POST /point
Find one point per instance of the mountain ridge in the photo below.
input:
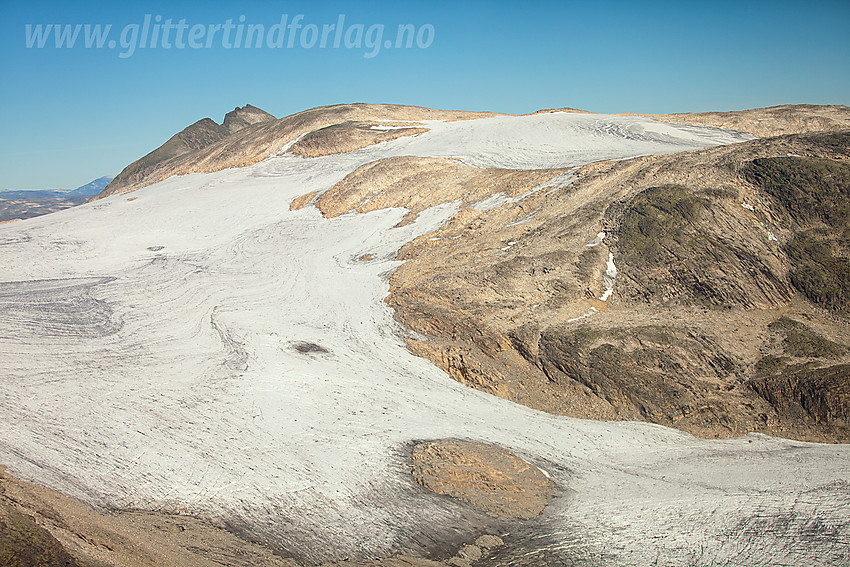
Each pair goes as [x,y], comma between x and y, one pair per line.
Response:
[256,141]
[190,140]
[219,146]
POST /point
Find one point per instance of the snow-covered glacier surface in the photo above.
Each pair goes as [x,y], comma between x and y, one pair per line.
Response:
[559,139]
[149,355]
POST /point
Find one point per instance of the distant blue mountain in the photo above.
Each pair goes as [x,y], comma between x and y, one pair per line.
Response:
[92,188]
[28,204]
[88,190]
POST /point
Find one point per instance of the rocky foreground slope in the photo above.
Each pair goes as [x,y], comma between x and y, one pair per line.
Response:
[236,346]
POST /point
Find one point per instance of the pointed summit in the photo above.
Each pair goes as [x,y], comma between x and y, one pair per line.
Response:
[239,118]
[193,138]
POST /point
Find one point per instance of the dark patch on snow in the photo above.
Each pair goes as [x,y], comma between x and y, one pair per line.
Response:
[309,348]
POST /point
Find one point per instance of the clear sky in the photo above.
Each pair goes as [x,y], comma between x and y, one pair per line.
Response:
[70,115]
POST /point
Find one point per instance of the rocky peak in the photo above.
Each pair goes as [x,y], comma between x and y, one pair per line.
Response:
[186,143]
[239,118]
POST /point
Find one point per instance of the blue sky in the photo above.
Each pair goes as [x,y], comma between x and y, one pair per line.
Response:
[70,115]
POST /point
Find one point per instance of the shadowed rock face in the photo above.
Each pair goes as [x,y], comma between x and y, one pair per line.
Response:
[486,476]
[678,244]
[632,369]
[812,197]
[806,392]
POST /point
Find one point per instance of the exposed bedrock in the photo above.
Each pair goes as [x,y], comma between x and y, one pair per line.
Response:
[712,248]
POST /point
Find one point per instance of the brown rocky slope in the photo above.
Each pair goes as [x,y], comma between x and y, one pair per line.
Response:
[729,309]
[770,121]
